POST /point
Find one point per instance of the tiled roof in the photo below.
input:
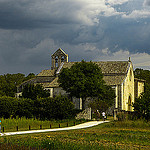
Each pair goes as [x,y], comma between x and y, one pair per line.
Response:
[108,67]
[113,67]
[54,83]
[114,80]
[110,80]
[47,73]
[114,73]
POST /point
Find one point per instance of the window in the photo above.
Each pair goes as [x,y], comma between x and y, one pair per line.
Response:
[130,75]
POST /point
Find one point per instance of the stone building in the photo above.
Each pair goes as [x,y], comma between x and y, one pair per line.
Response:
[118,74]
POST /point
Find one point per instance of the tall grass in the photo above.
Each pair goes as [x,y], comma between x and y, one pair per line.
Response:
[130,124]
[23,124]
[117,135]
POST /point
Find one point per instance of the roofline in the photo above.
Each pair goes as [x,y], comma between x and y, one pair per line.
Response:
[142,80]
[61,51]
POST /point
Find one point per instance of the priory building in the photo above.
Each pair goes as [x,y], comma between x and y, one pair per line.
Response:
[118,74]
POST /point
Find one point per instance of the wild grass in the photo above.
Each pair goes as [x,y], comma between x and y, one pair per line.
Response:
[118,135]
[23,124]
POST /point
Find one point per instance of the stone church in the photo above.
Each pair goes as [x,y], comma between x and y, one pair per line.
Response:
[118,74]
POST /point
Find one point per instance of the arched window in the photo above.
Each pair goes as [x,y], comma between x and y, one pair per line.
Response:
[56,61]
[62,58]
[129,104]
[130,75]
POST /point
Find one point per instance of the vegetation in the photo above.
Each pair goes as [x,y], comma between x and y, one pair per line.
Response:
[10,125]
[85,79]
[142,104]
[8,83]
[34,91]
[43,108]
[120,135]
[142,74]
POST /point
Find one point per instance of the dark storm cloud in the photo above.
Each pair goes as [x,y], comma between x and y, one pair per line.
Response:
[26,14]
[31,30]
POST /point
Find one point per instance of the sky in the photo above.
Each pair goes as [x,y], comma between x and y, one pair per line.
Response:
[93,30]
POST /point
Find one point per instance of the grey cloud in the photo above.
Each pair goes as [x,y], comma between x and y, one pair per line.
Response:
[147,2]
[31,30]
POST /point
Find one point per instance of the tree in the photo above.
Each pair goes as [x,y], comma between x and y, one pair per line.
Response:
[59,107]
[8,83]
[142,104]
[104,100]
[8,106]
[34,91]
[30,76]
[82,80]
[142,74]
[25,108]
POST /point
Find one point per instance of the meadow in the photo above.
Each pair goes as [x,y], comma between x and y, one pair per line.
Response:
[23,124]
[115,135]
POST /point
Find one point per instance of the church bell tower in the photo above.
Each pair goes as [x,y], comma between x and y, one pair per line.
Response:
[57,58]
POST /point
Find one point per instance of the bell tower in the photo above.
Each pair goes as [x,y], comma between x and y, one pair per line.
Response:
[57,58]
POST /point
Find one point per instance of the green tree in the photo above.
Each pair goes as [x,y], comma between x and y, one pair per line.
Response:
[104,100]
[142,104]
[30,76]
[59,107]
[8,106]
[82,80]
[34,91]
[8,83]
[142,74]
[25,108]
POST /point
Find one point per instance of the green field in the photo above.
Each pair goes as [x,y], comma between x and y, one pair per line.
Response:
[11,125]
[113,135]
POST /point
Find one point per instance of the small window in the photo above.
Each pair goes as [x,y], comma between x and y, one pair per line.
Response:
[130,75]
[56,61]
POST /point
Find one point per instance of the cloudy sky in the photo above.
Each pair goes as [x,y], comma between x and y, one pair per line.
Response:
[97,30]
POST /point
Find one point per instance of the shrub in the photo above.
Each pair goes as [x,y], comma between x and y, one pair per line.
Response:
[8,106]
[56,108]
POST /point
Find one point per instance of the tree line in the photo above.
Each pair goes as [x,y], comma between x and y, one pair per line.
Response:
[9,82]
[47,108]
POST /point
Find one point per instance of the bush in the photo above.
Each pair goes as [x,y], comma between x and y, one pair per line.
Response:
[8,106]
[44,108]
[25,108]
[56,108]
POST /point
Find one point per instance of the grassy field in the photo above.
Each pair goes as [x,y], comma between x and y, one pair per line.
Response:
[117,135]
[23,124]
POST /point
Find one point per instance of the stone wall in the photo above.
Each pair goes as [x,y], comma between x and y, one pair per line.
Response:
[85,114]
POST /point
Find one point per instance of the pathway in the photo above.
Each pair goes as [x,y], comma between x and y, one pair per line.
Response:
[80,126]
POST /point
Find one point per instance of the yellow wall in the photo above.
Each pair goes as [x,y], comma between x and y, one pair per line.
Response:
[140,88]
[128,90]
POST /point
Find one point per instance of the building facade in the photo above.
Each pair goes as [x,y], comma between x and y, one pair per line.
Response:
[118,74]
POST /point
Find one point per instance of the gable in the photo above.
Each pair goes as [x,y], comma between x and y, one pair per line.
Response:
[59,52]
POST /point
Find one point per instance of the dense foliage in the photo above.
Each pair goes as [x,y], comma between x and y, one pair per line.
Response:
[104,100]
[41,108]
[82,80]
[142,74]
[34,91]
[56,108]
[142,104]
[9,82]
